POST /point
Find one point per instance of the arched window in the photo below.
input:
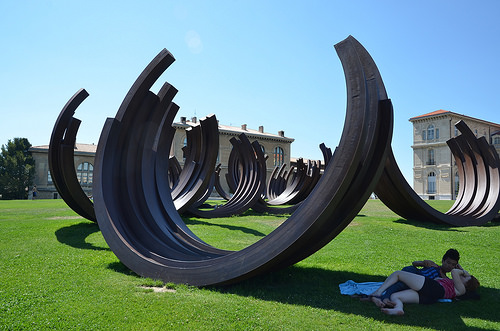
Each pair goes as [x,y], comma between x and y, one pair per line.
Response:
[430,157]
[430,132]
[279,156]
[431,183]
[85,173]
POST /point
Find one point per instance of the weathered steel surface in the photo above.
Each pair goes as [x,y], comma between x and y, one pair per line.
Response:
[218,186]
[251,180]
[146,231]
[61,158]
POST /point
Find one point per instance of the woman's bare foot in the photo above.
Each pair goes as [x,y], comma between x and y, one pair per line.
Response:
[388,303]
[392,311]
[376,300]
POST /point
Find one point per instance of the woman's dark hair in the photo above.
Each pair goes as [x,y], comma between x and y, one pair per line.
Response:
[471,290]
[451,254]
[472,284]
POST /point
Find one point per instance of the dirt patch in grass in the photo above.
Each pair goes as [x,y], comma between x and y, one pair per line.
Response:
[64,218]
[158,289]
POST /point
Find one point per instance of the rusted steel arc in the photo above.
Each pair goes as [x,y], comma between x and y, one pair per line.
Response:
[472,173]
[396,193]
[484,167]
[327,153]
[288,191]
[120,188]
[206,195]
[251,182]
[310,179]
[494,175]
[61,158]
[174,169]
[218,185]
[277,182]
[302,183]
[192,154]
[200,179]
[459,161]
[161,149]
[321,216]
[233,169]
[376,114]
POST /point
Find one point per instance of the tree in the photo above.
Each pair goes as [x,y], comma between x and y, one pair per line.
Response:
[17,169]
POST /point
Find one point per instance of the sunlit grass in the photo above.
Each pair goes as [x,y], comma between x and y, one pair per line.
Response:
[57,272]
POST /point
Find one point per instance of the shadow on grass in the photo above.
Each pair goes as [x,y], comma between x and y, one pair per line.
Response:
[318,288]
[429,225]
[190,221]
[122,268]
[74,236]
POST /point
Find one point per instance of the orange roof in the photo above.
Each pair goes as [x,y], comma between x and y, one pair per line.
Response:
[434,113]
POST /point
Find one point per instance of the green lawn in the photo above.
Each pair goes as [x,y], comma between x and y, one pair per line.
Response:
[56,272]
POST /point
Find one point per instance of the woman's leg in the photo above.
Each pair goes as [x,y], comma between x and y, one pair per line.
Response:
[413,281]
[398,298]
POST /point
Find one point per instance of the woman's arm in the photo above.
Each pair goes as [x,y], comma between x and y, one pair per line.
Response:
[424,263]
[457,281]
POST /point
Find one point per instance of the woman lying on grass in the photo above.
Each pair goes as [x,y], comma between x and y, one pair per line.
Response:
[423,290]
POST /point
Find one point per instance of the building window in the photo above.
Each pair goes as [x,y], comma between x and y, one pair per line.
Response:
[430,132]
[279,156]
[49,177]
[430,157]
[496,141]
[431,183]
[456,132]
[184,149]
[85,173]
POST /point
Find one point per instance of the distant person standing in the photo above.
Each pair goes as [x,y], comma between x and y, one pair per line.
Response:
[34,192]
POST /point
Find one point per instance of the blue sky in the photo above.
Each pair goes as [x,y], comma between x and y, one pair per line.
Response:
[269,63]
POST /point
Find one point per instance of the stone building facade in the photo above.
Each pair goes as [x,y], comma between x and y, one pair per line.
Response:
[84,165]
[435,175]
[276,146]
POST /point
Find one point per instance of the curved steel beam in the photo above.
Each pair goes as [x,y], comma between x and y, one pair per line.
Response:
[478,199]
[250,184]
[146,233]
[61,158]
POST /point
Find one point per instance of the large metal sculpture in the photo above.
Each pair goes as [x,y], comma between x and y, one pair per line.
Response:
[478,199]
[137,202]
[251,181]
[61,158]
[146,231]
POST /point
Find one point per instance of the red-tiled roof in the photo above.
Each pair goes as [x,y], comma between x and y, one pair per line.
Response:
[434,113]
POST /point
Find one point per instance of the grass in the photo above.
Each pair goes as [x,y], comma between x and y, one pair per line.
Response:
[56,272]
